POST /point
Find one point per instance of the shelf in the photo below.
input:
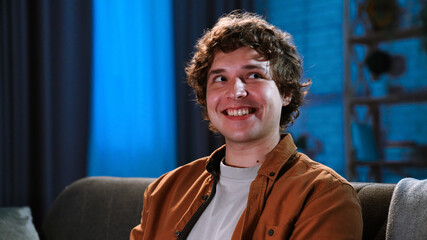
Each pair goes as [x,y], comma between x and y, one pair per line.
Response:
[409,97]
[392,164]
[395,95]
[376,37]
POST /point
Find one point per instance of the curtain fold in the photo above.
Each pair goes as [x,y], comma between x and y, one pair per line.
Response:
[191,18]
[14,146]
[45,70]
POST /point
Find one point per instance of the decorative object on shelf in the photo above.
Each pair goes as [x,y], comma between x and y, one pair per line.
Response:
[380,62]
[383,14]
[364,142]
[309,145]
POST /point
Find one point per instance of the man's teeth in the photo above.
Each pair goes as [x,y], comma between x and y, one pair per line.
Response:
[238,112]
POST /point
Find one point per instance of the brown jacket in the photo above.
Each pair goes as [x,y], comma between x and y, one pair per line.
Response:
[292,197]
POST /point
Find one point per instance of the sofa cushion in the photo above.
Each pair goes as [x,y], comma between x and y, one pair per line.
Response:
[96,208]
[17,223]
[407,216]
[375,200]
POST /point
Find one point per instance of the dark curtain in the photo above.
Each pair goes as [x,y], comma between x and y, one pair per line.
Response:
[45,71]
[191,18]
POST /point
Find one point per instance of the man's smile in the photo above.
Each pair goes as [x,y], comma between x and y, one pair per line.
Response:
[237,112]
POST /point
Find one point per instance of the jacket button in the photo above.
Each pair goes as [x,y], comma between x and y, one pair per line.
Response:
[272,174]
[270,232]
[205,197]
[177,233]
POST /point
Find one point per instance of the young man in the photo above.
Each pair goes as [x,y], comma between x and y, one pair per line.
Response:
[246,75]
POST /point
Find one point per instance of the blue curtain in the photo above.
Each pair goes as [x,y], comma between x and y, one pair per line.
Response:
[45,76]
[133,111]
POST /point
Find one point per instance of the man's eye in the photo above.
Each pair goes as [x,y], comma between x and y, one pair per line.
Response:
[255,75]
[220,79]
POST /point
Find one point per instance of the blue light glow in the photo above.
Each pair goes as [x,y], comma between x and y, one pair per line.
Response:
[133,111]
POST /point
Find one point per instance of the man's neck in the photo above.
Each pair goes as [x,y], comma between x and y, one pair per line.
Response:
[249,154]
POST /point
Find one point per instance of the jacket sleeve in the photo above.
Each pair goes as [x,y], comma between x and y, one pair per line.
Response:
[332,213]
[137,232]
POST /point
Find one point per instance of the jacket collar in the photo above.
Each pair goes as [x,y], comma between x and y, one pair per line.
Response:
[214,161]
[274,161]
[278,157]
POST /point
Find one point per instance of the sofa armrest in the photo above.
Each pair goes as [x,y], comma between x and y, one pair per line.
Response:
[96,208]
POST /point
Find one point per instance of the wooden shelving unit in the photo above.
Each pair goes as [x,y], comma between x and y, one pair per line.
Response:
[376,37]
[401,98]
[370,40]
[399,164]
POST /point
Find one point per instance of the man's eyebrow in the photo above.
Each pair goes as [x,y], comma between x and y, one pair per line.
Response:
[254,66]
[216,71]
[246,67]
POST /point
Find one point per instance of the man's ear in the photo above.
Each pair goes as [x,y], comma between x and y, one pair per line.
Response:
[286,99]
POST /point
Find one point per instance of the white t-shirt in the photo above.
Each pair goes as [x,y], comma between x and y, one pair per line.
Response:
[220,218]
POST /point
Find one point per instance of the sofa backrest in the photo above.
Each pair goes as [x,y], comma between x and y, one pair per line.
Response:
[109,207]
[96,208]
[375,200]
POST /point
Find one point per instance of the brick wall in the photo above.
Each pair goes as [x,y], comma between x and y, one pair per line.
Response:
[318,34]
[317,30]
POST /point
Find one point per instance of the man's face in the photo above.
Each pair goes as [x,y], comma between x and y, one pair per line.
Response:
[243,102]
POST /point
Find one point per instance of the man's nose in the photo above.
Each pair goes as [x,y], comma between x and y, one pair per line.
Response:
[237,88]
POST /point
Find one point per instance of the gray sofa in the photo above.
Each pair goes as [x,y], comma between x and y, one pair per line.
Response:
[109,207]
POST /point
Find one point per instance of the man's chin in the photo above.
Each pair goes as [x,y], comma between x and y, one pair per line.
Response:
[238,138]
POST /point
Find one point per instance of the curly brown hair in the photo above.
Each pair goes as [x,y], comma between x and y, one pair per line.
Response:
[237,30]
